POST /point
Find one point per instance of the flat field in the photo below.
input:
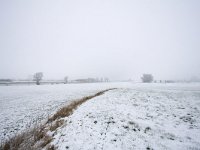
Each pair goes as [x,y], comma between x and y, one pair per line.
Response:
[134,116]
[26,105]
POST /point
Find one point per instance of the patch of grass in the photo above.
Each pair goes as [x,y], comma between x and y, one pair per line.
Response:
[38,133]
[6,146]
[56,124]
[27,139]
[46,140]
[13,143]
[51,147]
[68,110]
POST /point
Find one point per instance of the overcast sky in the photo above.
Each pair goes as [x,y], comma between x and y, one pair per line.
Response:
[119,39]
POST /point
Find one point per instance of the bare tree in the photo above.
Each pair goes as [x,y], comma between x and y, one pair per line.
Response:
[147,78]
[66,79]
[38,77]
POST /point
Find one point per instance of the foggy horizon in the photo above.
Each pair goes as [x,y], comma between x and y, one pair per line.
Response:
[115,39]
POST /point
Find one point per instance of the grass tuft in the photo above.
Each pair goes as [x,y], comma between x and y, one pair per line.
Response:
[56,124]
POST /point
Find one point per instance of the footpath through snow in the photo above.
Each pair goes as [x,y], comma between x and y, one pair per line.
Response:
[133,119]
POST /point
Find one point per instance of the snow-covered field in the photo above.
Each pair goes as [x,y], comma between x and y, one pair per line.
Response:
[23,106]
[134,116]
[141,116]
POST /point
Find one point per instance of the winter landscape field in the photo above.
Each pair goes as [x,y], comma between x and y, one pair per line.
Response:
[133,116]
[99,75]
[23,106]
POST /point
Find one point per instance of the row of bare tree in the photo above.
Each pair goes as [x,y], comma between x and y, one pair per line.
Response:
[146,78]
[39,75]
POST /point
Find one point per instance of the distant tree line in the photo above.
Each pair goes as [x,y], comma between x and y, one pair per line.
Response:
[37,77]
[5,80]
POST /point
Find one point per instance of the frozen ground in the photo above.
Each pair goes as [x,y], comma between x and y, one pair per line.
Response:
[22,106]
[143,116]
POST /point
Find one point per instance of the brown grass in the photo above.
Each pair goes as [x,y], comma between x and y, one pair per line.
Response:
[46,140]
[68,110]
[51,147]
[27,140]
[13,143]
[56,124]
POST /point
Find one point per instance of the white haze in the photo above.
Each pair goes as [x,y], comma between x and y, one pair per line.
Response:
[119,39]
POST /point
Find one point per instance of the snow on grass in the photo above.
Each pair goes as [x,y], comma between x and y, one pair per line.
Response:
[24,106]
[144,116]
